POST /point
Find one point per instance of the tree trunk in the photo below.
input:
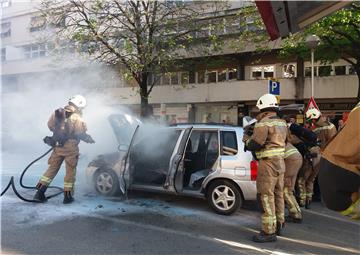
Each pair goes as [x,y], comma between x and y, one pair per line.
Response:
[145,110]
[300,79]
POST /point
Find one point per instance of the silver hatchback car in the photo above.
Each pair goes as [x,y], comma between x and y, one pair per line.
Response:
[198,160]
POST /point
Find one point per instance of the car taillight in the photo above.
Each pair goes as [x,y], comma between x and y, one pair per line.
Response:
[253,170]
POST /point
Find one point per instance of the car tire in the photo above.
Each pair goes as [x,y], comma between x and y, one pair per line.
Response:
[224,197]
[106,182]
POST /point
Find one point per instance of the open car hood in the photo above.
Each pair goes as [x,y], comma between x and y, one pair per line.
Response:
[124,126]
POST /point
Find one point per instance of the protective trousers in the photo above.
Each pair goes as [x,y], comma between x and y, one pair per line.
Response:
[293,165]
[270,185]
[70,153]
[307,175]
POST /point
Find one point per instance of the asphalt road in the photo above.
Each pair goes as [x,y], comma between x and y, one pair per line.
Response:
[161,224]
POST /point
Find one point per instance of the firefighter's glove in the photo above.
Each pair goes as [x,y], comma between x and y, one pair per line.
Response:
[88,139]
[49,141]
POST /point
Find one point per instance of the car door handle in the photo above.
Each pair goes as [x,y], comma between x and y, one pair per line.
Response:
[187,160]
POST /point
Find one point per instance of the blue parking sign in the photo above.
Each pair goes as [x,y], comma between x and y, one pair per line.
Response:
[274,87]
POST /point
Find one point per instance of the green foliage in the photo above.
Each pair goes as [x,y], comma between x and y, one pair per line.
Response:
[339,34]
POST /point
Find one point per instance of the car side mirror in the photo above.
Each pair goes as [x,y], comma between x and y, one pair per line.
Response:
[123,147]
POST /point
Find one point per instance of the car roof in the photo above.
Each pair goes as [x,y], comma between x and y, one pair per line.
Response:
[207,126]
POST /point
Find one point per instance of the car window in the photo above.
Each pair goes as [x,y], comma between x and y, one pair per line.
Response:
[229,145]
[212,142]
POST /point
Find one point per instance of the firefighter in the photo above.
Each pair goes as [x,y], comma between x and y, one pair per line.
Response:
[268,142]
[324,131]
[68,129]
[339,176]
[293,163]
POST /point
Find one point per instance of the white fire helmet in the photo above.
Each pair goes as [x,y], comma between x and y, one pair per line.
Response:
[267,101]
[247,121]
[313,114]
[78,100]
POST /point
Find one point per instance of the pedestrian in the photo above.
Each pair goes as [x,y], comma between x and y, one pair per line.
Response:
[339,176]
[324,131]
[268,143]
[68,129]
[340,124]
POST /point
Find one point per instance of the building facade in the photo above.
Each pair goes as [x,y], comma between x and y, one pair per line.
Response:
[221,92]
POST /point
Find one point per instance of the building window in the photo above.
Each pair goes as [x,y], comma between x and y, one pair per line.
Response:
[166,79]
[289,70]
[352,70]
[5,29]
[340,70]
[232,74]
[35,50]
[307,71]
[174,79]
[157,79]
[201,77]
[3,54]
[185,78]
[262,72]
[192,77]
[222,75]
[325,70]
[211,76]
[5,3]
[37,23]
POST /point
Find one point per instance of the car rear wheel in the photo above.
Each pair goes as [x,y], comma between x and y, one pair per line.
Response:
[224,197]
[106,182]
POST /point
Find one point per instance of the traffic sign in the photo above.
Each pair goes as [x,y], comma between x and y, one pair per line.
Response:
[312,104]
[274,87]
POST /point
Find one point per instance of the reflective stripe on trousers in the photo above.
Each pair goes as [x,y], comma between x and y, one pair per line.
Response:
[270,153]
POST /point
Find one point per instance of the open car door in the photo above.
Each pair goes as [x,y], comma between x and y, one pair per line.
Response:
[125,128]
[177,163]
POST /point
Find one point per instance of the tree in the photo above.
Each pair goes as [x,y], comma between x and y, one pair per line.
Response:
[340,38]
[145,37]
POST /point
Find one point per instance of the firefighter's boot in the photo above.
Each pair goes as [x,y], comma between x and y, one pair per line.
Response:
[40,193]
[279,228]
[307,203]
[293,219]
[68,197]
[264,238]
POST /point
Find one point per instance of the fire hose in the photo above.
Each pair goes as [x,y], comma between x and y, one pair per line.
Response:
[12,183]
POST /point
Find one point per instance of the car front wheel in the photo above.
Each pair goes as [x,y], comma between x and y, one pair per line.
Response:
[106,182]
[224,197]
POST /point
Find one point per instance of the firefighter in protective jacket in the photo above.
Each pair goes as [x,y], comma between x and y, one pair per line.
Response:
[268,142]
[68,129]
[324,131]
[339,176]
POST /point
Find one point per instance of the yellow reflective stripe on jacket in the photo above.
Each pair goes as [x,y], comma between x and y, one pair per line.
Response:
[325,127]
[270,153]
[290,152]
[271,124]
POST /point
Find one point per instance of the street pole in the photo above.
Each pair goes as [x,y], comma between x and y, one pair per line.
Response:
[312,72]
[312,41]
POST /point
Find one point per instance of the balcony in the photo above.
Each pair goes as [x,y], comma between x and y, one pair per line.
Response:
[325,87]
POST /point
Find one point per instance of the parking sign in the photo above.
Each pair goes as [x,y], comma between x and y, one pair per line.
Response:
[274,87]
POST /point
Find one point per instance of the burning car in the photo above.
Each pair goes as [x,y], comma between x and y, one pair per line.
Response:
[198,160]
